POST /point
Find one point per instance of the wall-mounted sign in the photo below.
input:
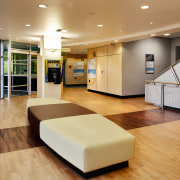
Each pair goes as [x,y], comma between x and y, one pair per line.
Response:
[78,68]
[91,68]
[149,65]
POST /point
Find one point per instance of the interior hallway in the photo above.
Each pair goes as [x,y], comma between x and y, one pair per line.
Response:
[157,153]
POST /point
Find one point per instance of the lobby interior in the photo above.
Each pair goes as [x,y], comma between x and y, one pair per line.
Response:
[137,32]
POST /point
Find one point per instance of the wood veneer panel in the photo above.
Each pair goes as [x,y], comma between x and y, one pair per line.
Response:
[144,118]
[13,139]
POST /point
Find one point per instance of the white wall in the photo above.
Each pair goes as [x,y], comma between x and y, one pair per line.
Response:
[45,89]
[133,63]
[51,89]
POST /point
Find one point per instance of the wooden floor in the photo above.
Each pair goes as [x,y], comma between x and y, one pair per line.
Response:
[139,119]
[157,149]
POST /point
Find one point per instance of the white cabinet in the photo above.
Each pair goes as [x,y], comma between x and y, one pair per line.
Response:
[108,69]
[102,74]
[115,74]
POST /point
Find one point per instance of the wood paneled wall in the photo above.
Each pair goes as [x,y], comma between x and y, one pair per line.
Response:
[70,78]
[108,69]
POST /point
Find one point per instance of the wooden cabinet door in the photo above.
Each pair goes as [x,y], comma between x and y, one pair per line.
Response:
[102,74]
[115,74]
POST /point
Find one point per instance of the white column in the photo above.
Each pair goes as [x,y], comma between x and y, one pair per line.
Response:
[51,50]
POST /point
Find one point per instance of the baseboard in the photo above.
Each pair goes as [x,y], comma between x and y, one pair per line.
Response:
[118,96]
[75,85]
[171,108]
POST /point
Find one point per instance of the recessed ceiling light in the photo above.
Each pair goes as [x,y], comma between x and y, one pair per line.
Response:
[167,34]
[151,23]
[9,35]
[64,30]
[42,6]
[28,25]
[100,25]
[116,41]
[144,7]
[120,31]
[1,28]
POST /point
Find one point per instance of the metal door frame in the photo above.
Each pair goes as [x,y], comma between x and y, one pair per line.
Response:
[1,71]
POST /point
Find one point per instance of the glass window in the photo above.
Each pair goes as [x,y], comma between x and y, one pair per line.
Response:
[20,45]
[19,63]
[33,64]
[35,47]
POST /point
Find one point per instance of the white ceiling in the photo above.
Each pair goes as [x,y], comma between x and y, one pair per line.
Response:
[123,20]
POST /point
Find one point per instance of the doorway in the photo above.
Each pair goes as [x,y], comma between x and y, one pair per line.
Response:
[177,53]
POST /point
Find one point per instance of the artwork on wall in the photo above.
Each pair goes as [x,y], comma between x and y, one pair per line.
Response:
[149,64]
[78,69]
[91,68]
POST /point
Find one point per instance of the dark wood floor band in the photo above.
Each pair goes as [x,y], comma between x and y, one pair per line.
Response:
[144,118]
[13,139]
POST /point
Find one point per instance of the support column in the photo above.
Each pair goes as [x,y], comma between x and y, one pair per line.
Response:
[51,50]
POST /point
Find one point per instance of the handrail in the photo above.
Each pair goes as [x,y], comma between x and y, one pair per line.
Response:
[159,82]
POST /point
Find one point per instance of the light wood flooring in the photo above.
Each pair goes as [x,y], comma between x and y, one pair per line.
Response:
[157,149]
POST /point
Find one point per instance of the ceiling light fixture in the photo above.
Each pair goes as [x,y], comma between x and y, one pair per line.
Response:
[116,40]
[1,28]
[145,7]
[167,34]
[9,35]
[28,25]
[42,6]
[100,25]
[151,23]
[64,30]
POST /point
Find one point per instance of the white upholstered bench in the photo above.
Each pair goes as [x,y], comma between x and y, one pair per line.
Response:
[89,141]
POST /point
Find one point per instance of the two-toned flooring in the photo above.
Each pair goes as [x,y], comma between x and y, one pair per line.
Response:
[157,150]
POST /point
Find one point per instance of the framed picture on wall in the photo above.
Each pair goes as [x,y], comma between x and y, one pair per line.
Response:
[149,64]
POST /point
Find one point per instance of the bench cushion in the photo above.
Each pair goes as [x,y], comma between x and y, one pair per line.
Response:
[89,141]
[44,101]
[36,114]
